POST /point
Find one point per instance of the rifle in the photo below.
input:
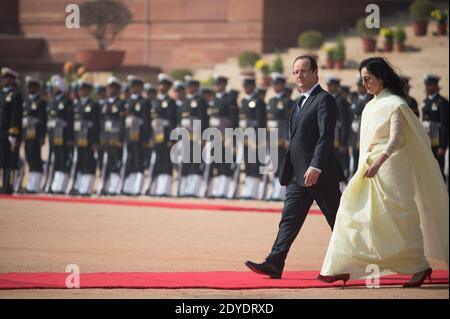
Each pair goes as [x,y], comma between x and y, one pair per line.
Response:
[18,178]
[73,171]
[205,183]
[262,187]
[151,168]
[101,186]
[50,169]
[234,187]
[123,169]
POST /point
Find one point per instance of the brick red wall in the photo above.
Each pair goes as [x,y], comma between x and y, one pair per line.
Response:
[193,33]
[166,33]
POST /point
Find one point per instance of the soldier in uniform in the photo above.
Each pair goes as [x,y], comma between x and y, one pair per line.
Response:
[343,120]
[207,94]
[278,111]
[252,114]
[194,108]
[435,118]
[344,91]
[151,93]
[164,120]
[60,135]
[112,130]
[137,133]
[34,131]
[356,110]
[412,103]
[223,113]
[73,94]
[100,98]
[10,127]
[87,136]
[180,93]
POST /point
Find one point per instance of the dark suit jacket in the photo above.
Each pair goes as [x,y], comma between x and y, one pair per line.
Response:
[312,141]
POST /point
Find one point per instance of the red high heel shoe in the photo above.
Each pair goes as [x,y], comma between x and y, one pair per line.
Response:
[416,284]
[331,279]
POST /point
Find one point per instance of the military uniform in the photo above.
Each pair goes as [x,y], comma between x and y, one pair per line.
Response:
[151,92]
[60,131]
[356,110]
[252,114]
[193,109]
[87,135]
[112,127]
[279,109]
[223,113]
[435,112]
[342,129]
[412,103]
[100,99]
[10,129]
[164,120]
[34,131]
[137,134]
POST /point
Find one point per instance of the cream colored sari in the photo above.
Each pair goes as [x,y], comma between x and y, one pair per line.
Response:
[400,216]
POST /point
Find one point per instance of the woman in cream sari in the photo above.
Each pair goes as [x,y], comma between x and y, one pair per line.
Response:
[394,212]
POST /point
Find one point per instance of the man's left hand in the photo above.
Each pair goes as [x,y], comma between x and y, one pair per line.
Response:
[311,177]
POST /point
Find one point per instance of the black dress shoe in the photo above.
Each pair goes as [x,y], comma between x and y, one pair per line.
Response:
[264,268]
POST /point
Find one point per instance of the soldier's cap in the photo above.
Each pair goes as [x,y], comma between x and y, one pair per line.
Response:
[345,88]
[190,80]
[162,77]
[431,79]
[206,89]
[133,79]
[99,87]
[112,80]
[58,81]
[84,83]
[278,77]
[149,87]
[248,80]
[7,71]
[219,78]
[333,80]
[178,85]
[32,80]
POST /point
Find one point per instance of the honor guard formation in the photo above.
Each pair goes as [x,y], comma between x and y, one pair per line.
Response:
[88,139]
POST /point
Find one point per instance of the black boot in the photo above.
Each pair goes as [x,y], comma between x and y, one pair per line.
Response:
[7,186]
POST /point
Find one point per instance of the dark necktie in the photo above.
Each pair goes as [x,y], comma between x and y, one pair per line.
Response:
[294,118]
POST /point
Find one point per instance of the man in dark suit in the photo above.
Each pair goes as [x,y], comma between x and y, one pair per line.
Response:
[310,170]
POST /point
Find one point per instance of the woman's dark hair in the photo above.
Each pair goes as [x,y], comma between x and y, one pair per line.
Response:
[381,69]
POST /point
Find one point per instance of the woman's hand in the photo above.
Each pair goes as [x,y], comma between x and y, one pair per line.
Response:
[372,170]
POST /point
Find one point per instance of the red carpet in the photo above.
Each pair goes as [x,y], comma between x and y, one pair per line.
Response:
[178,280]
[143,203]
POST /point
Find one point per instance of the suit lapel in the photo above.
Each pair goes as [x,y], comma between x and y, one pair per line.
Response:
[307,103]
